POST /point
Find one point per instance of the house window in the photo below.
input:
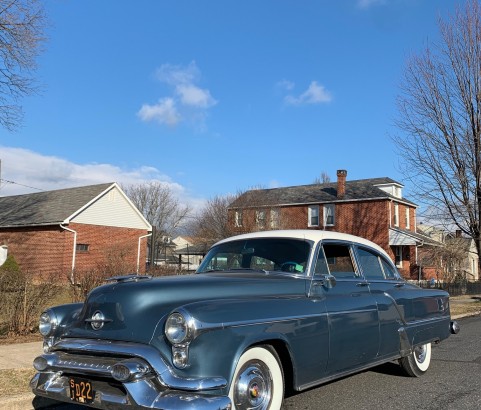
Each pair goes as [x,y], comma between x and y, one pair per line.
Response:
[329,215]
[260,219]
[82,247]
[407,218]
[313,215]
[274,218]
[238,219]
[398,250]
[396,214]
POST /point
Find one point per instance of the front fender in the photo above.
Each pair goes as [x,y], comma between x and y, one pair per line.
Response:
[232,326]
[63,316]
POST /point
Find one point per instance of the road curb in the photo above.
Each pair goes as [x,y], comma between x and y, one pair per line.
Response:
[463,315]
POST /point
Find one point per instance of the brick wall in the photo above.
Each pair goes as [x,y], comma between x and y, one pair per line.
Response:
[48,251]
[109,245]
[39,250]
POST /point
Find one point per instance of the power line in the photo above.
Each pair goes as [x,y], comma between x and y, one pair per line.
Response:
[6,181]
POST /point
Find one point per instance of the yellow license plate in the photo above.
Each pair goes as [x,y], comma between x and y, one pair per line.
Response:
[81,390]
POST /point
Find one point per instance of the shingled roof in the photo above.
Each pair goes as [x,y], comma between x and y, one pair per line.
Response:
[362,189]
[48,207]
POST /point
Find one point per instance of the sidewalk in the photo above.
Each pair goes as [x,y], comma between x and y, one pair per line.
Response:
[21,356]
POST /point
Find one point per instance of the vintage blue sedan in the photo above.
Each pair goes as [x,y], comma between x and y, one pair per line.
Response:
[265,312]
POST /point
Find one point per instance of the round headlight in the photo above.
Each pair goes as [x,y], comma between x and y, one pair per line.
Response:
[176,328]
[47,323]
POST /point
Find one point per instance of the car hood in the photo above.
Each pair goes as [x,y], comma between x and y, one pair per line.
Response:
[133,310]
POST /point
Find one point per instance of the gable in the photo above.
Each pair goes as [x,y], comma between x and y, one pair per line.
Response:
[112,208]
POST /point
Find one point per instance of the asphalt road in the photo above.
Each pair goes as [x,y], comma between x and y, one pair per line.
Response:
[452,382]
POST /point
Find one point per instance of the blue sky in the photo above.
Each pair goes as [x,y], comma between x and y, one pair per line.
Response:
[216,96]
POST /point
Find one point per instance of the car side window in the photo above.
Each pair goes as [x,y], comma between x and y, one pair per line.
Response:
[339,261]
[370,264]
[321,264]
[389,271]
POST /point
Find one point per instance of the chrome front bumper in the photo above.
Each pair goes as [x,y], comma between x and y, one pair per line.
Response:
[160,388]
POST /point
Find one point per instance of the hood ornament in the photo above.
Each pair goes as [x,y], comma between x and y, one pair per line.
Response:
[98,320]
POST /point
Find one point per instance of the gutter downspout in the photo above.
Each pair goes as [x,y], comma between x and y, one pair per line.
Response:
[138,250]
[74,252]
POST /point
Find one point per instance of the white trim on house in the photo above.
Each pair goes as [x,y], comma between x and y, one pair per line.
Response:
[107,210]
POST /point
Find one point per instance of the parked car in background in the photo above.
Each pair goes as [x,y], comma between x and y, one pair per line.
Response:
[266,312]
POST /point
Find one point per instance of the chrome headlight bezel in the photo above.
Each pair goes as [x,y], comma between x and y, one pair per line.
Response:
[47,323]
[180,328]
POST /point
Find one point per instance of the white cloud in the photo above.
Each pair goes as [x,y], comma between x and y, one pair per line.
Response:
[286,85]
[176,74]
[25,171]
[365,4]
[194,96]
[164,112]
[187,101]
[315,94]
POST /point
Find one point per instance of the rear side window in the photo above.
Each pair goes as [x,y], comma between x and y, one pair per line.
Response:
[338,260]
[370,264]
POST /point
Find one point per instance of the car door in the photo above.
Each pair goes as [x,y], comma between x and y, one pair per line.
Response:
[386,287]
[352,311]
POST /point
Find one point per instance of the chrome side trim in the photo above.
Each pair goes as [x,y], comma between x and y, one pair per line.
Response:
[429,320]
[165,373]
[268,321]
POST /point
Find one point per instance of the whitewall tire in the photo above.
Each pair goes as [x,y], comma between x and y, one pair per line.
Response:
[258,382]
[417,363]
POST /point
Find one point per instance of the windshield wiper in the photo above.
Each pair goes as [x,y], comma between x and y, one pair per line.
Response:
[235,269]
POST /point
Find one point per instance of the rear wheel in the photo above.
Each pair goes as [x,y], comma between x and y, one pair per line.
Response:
[258,382]
[417,363]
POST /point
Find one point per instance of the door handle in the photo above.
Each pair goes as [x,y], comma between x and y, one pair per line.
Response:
[362,284]
[399,285]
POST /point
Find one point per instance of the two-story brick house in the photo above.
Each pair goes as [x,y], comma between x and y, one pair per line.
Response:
[54,234]
[371,208]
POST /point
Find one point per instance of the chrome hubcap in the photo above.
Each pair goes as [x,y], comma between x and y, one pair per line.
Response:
[420,353]
[253,387]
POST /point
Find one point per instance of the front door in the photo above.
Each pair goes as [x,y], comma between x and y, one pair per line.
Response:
[352,310]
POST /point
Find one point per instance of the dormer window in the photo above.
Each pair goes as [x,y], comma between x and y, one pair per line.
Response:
[393,189]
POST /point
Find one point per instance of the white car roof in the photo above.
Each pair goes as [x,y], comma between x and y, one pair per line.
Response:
[308,234]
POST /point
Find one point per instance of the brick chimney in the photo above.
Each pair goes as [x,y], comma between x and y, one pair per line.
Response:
[341,183]
[459,233]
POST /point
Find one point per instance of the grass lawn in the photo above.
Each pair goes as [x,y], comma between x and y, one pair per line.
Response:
[15,381]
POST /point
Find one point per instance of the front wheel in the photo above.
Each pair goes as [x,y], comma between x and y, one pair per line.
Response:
[258,382]
[417,363]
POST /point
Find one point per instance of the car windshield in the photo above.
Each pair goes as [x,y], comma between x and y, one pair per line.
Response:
[260,254]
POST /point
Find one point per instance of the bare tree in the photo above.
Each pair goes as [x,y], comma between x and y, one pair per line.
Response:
[22,23]
[449,260]
[158,203]
[324,178]
[440,120]
[212,222]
